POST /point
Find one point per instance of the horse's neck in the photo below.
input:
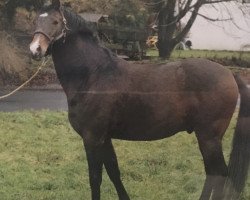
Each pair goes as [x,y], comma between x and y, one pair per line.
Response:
[79,62]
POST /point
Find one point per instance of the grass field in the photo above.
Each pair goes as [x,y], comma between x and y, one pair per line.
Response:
[42,158]
[210,54]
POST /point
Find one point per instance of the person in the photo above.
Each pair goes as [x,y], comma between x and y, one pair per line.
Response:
[188,44]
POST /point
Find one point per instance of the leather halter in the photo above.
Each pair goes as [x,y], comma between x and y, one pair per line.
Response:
[64,30]
[43,33]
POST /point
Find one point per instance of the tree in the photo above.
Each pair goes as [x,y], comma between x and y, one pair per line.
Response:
[129,13]
[169,15]
[11,5]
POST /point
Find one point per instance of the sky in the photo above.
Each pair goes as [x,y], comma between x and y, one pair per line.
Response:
[222,35]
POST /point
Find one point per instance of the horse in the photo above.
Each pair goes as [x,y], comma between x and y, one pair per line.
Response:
[110,98]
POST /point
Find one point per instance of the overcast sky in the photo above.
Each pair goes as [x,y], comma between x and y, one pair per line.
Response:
[221,34]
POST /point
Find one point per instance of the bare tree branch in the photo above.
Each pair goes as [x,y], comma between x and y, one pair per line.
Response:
[184,11]
[216,1]
[213,19]
[168,21]
[190,22]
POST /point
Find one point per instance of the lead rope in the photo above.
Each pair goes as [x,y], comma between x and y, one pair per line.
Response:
[44,62]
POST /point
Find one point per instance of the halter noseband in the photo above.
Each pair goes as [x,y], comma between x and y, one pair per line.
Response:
[43,33]
[64,30]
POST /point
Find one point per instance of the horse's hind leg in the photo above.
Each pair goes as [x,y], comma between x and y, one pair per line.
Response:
[216,169]
[111,165]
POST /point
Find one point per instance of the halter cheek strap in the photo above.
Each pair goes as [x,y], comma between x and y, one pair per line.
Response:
[65,28]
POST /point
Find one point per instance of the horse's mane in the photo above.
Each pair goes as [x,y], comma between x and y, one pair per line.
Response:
[77,24]
[87,29]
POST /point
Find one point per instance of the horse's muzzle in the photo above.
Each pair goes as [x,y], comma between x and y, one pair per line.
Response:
[36,53]
[39,46]
[36,57]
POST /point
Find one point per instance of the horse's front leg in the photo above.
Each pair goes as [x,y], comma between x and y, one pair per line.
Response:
[111,165]
[95,163]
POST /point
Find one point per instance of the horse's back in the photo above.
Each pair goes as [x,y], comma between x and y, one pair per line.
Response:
[187,76]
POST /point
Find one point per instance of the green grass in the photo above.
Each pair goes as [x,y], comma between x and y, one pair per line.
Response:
[42,158]
[211,54]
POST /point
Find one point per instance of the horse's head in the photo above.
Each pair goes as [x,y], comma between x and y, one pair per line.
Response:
[50,26]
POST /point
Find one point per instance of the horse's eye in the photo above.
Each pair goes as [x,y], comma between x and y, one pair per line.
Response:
[55,22]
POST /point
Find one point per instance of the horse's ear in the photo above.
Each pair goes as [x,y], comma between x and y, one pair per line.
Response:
[56,4]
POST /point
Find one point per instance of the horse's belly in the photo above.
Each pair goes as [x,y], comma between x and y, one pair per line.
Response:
[146,133]
[133,117]
[141,137]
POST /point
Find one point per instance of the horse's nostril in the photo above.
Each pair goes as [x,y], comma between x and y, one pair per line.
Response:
[39,49]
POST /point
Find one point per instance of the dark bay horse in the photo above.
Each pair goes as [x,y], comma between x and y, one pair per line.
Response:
[110,98]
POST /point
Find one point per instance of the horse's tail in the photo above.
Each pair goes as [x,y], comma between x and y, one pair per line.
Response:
[239,161]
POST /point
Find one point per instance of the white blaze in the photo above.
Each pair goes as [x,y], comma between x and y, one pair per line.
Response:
[44,15]
[34,45]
